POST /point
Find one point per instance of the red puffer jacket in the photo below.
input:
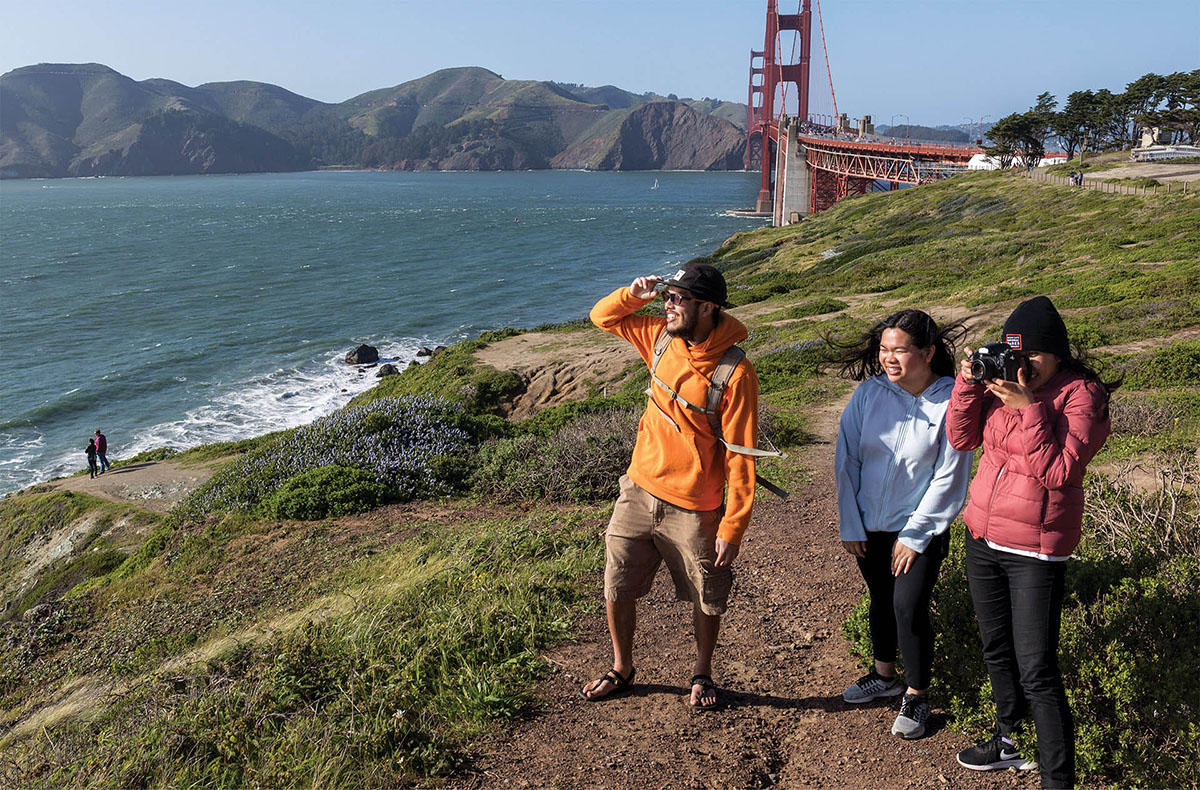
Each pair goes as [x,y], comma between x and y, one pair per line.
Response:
[1028,491]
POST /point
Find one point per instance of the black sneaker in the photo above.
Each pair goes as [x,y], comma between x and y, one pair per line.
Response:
[994,755]
[872,686]
[914,712]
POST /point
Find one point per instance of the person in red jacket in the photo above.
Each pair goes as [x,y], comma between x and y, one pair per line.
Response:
[1023,517]
[687,495]
[102,451]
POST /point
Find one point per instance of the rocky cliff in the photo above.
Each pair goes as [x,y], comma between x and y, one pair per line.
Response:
[661,136]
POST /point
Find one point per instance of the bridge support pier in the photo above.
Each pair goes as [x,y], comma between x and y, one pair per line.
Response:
[793,179]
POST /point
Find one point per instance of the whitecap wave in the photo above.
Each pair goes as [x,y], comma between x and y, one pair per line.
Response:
[283,398]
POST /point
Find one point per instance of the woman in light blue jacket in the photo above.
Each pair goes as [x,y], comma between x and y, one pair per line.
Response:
[900,484]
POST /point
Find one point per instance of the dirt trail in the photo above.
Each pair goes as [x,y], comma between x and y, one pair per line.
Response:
[155,485]
[782,660]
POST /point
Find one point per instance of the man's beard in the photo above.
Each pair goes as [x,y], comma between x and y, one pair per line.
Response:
[685,328]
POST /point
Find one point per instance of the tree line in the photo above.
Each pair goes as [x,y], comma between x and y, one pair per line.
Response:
[1102,120]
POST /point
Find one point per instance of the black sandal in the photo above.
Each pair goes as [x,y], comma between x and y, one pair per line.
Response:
[706,684]
[620,685]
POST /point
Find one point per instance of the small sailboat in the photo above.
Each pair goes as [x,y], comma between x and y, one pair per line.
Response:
[655,184]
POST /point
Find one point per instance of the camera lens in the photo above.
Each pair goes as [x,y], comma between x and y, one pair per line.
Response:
[979,369]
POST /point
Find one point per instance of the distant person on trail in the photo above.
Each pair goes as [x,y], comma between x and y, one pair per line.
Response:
[102,450]
[900,484]
[673,504]
[91,454]
[1023,521]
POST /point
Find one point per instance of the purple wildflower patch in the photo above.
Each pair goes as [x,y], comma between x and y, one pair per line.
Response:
[403,442]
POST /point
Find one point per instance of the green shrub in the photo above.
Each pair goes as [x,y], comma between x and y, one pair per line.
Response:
[326,491]
[787,367]
[1129,662]
[455,376]
[825,304]
[579,462]
[406,443]
[147,456]
[552,419]
[1174,366]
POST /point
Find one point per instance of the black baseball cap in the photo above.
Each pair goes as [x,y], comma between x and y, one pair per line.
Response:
[702,280]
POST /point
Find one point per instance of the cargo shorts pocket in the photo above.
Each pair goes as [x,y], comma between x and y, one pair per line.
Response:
[715,584]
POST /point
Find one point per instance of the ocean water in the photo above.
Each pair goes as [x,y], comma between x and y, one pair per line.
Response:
[178,311]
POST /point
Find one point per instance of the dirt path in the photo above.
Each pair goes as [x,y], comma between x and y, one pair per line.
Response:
[782,659]
[1162,171]
[157,485]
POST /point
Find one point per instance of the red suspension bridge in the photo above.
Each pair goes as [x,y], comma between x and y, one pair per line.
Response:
[811,160]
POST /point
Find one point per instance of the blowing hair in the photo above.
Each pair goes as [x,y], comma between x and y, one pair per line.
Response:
[1081,364]
[859,359]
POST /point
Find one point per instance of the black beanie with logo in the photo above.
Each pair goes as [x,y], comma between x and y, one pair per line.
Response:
[1036,326]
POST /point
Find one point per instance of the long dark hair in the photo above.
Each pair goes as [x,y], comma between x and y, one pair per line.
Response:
[1081,364]
[859,359]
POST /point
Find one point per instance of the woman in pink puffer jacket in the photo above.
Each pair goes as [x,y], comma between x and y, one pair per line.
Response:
[1023,518]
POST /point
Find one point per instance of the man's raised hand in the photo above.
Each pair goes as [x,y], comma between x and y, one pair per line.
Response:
[643,287]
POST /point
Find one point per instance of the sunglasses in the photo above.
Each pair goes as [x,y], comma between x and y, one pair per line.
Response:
[671,297]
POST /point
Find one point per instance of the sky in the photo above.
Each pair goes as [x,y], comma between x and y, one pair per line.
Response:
[925,62]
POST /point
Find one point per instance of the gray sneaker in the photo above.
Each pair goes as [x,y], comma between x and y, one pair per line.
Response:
[914,712]
[872,686]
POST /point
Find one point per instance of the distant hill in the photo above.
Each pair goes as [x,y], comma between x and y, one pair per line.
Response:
[941,134]
[87,119]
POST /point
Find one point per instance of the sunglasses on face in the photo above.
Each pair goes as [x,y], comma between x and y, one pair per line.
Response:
[671,297]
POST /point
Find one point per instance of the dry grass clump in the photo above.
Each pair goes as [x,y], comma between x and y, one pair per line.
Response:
[1139,416]
[1128,520]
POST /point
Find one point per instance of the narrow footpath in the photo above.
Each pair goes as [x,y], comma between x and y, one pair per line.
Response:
[781,660]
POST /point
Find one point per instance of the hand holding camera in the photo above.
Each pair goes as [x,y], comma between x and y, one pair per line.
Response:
[1002,370]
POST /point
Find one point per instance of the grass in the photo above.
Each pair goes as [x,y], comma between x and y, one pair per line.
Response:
[433,642]
[1144,182]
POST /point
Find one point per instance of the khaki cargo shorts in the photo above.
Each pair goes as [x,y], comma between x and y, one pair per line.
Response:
[645,531]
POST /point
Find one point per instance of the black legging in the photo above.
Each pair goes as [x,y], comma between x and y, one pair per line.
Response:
[900,604]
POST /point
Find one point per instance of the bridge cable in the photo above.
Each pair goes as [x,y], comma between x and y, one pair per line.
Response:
[828,73]
[783,86]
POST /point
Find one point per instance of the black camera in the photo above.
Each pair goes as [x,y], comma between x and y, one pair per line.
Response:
[995,361]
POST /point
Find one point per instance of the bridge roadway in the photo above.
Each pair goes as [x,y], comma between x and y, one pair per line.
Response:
[816,167]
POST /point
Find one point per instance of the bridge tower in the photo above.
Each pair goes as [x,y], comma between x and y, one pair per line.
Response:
[754,109]
[776,74]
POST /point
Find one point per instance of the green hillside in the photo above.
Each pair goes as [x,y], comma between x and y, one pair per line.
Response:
[86,119]
[296,623]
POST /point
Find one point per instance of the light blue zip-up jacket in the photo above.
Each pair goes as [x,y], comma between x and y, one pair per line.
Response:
[896,470]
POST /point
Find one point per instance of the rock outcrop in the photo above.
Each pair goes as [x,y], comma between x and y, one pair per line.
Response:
[363,355]
[661,136]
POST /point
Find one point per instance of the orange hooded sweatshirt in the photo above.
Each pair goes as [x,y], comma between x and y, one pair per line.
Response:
[688,467]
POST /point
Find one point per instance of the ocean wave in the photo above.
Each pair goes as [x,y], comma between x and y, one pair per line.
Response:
[284,398]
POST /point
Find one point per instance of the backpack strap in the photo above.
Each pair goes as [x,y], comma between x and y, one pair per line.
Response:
[716,391]
[712,402]
[660,348]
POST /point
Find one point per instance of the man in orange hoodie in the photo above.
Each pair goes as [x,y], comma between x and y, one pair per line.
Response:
[674,505]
